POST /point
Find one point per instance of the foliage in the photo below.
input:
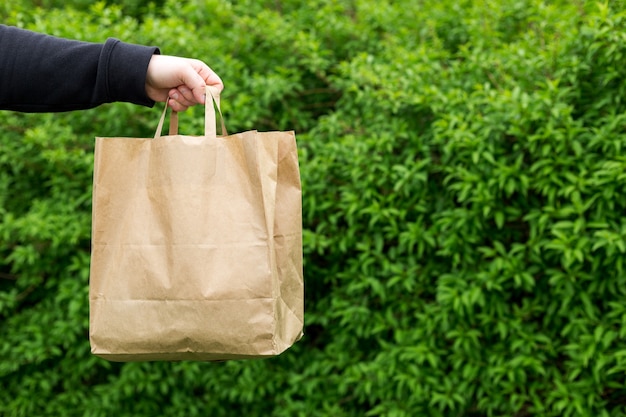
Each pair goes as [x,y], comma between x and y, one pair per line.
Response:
[464,197]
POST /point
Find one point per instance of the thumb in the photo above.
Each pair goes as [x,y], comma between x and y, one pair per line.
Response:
[194,82]
[204,76]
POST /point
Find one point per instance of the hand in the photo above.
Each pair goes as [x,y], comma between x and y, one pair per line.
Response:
[182,79]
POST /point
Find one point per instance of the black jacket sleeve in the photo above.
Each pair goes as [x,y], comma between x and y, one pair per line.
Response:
[41,73]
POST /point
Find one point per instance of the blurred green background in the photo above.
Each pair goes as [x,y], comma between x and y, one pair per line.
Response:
[464,204]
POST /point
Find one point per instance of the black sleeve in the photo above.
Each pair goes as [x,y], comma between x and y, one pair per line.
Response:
[41,73]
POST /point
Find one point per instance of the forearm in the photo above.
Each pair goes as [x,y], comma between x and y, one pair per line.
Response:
[40,73]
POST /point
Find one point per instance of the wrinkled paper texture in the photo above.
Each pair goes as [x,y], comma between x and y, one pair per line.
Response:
[196,247]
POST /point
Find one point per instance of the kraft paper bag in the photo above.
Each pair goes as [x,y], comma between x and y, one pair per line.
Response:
[196,245]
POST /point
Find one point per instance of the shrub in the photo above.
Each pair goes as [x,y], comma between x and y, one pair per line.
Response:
[464,200]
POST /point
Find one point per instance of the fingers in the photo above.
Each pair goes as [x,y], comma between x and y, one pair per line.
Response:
[183,95]
[192,91]
[177,106]
[181,98]
[182,79]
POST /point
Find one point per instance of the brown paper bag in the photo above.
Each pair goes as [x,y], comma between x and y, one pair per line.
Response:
[196,245]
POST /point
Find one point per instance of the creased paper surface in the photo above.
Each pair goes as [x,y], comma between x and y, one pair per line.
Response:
[196,247]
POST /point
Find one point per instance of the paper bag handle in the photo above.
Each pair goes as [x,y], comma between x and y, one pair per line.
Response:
[210,130]
[209,113]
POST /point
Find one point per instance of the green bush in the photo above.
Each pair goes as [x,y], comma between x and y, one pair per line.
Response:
[464,192]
